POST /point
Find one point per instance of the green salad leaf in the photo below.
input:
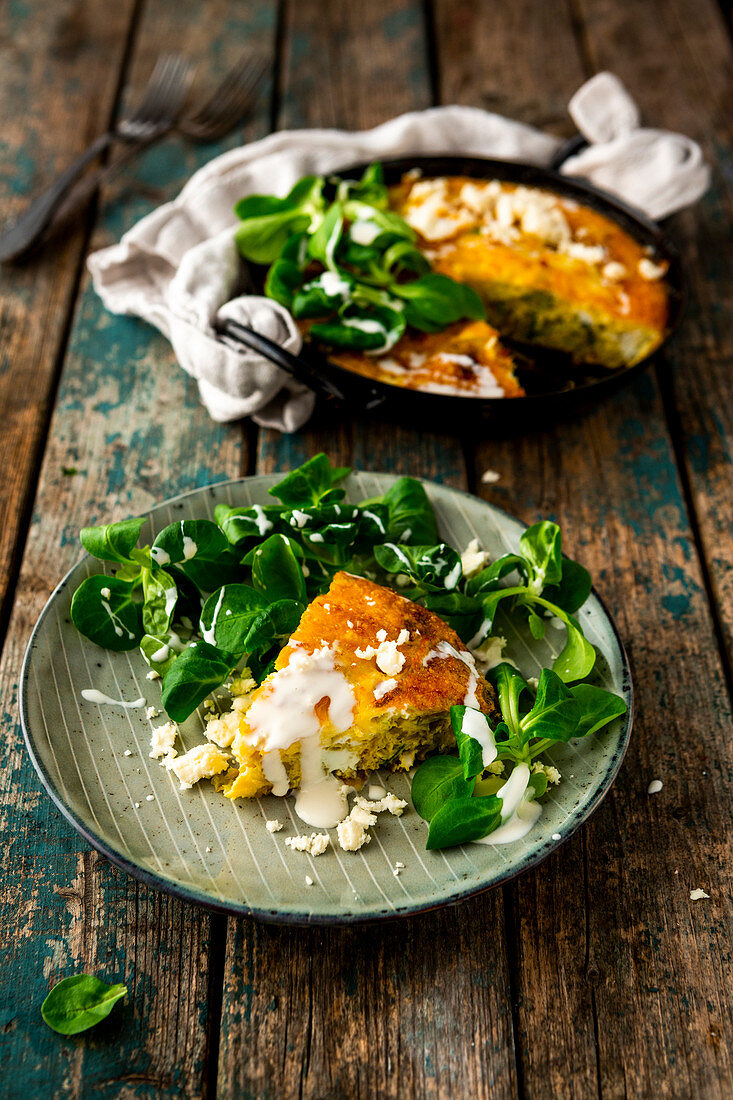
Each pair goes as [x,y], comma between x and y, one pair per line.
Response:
[349,263]
[79,1002]
[211,596]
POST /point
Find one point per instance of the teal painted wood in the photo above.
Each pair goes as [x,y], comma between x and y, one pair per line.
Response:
[129,422]
[58,80]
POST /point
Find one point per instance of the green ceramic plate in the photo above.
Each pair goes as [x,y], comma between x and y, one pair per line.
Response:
[198,845]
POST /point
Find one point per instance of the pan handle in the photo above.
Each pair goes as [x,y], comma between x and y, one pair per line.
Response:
[568,149]
[297,366]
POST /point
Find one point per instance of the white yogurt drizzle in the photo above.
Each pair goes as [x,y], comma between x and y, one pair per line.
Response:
[263,523]
[445,649]
[93,696]
[189,546]
[209,634]
[474,724]
[286,714]
[518,813]
[117,624]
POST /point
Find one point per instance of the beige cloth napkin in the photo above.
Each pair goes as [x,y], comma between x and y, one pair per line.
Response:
[178,268]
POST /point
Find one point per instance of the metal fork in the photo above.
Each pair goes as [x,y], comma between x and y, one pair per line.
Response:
[155,114]
[228,104]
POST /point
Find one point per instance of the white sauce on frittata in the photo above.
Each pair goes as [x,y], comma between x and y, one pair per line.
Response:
[286,714]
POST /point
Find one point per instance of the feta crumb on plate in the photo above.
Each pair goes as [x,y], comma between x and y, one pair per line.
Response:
[352,835]
[152,712]
[308,880]
[273,826]
[200,762]
[698,895]
[162,741]
[390,802]
[315,844]
[152,675]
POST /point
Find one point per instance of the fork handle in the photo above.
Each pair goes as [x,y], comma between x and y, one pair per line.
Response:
[80,193]
[30,226]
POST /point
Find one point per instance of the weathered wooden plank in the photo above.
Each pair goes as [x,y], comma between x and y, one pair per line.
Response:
[129,422]
[58,81]
[421,1007]
[684,84]
[608,925]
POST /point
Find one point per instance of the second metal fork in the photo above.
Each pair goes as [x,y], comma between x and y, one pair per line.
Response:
[156,113]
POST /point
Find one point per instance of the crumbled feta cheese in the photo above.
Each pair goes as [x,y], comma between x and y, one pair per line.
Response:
[489,477]
[162,741]
[308,880]
[557,836]
[400,866]
[352,835]
[222,731]
[489,654]
[396,871]
[137,805]
[315,844]
[655,786]
[127,752]
[389,658]
[473,558]
[273,825]
[587,253]
[200,762]
[152,712]
[390,802]
[613,271]
[651,271]
[362,816]
[150,798]
[152,675]
[403,636]
[552,774]
[381,635]
[349,623]
[698,895]
[208,849]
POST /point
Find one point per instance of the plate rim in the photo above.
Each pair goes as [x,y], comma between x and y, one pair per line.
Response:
[283,916]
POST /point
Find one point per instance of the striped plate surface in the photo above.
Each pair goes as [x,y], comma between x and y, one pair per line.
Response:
[197,844]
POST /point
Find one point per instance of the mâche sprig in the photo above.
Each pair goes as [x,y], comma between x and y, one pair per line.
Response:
[348,264]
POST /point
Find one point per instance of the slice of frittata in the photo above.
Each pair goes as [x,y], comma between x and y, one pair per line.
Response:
[366,681]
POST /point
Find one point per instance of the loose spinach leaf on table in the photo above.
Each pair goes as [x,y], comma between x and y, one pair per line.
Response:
[79,1002]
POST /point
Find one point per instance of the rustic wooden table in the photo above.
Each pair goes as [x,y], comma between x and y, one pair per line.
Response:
[596,974]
